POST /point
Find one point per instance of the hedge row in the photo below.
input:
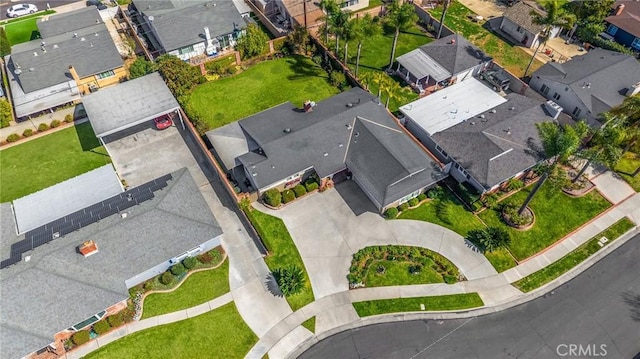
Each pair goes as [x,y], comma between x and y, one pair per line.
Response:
[392,212]
[274,198]
[41,128]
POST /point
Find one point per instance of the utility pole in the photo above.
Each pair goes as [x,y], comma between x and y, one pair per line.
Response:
[304,6]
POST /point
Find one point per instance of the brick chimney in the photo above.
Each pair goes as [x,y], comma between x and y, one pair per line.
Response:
[619,9]
[88,248]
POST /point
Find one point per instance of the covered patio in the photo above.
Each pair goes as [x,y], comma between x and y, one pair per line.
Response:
[422,73]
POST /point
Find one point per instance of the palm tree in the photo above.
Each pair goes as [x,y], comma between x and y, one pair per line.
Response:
[400,17]
[392,89]
[348,33]
[364,28]
[559,143]
[445,7]
[604,146]
[339,21]
[329,7]
[556,16]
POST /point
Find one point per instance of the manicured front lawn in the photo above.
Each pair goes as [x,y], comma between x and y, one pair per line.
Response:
[199,288]
[397,273]
[45,161]
[260,87]
[282,252]
[627,166]
[500,259]
[507,55]
[435,303]
[557,214]
[220,333]
[455,217]
[574,258]
[22,31]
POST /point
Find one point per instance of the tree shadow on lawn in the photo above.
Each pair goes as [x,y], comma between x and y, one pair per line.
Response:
[303,68]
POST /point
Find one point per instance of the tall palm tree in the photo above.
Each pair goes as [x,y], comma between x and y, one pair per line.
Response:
[556,16]
[329,7]
[445,7]
[400,17]
[364,28]
[348,32]
[605,145]
[339,20]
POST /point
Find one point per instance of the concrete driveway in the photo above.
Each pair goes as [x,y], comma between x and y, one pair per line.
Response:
[328,228]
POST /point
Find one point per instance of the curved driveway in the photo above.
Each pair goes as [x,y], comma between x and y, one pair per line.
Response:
[328,228]
[598,310]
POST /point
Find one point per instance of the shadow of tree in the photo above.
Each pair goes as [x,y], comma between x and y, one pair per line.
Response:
[303,68]
[633,301]
[272,285]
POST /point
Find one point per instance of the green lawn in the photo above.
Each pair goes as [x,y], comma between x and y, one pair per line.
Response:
[500,259]
[456,217]
[199,288]
[260,87]
[435,303]
[22,31]
[220,333]
[557,214]
[397,273]
[45,161]
[310,324]
[574,258]
[282,252]
[511,57]
[628,165]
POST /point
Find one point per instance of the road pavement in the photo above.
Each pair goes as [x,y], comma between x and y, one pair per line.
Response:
[597,314]
[41,4]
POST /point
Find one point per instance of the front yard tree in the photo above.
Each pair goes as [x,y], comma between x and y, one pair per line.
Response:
[400,17]
[605,146]
[253,42]
[555,16]
[5,47]
[179,75]
[141,67]
[365,28]
[590,16]
[290,280]
[628,112]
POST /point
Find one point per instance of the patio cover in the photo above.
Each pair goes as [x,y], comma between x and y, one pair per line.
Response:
[128,104]
[422,65]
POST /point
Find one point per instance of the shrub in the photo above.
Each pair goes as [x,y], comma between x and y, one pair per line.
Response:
[27,133]
[272,197]
[55,123]
[148,285]
[177,269]
[490,200]
[449,279]
[288,196]
[511,211]
[403,207]
[231,70]
[190,262]
[299,190]
[337,79]
[435,193]
[166,278]
[13,137]
[311,186]
[514,184]
[391,213]
[422,197]
[205,258]
[68,118]
[413,202]
[5,112]
[290,279]
[43,127]
[80,337]
[115,320]
[101,327]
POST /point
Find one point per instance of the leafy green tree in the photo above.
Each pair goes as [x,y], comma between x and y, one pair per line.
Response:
[290,280]
[555,15]
[339,21]
[589,16]
[605,145]
[298,40]
[628,114]
[180,77]
[489,239]
[364,28]
[5,46]
[348,32]
[253,42]
[400,17]
[329,7]
[5,113]
[141,67]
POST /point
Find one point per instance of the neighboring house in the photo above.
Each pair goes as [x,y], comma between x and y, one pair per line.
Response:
[518,23]
[76,55]
[484,139]
[49,291]
[347,134]
[623,26]
[296,12]
[589,84]
[189,29]
[442,62]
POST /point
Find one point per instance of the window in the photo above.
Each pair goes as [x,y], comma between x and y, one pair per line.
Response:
[185,50]
[612,29]
[636,43]
[576,112]
[439,149]
[544,89]
[106,74]
[556,96]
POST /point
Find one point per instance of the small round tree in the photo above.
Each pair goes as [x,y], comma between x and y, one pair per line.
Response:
[289,279]
[101,327]
[166,278]
[190,262]
[178,269]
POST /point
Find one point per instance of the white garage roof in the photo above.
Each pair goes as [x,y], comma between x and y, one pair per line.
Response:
[117,108]
[66,197]
[452,105]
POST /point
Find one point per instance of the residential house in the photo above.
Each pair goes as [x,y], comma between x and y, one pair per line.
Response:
[623,26]
[83,272]
[484,139]
[442,62]
[517,22]
[76,55]
[308,13]
[589,84]
[188,29]
[347,134]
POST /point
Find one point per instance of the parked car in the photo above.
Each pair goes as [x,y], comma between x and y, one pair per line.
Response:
[21,9]
[97,3]
[497,79]
[163,122]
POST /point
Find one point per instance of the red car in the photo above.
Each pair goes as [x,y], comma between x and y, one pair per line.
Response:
[163,122]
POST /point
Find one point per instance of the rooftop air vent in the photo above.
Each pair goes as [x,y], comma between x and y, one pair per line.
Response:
[287,130]
[512,108]
[82,39]
[349,104]
[493,111]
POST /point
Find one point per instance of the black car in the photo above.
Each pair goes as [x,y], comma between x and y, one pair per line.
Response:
[97,3]
[498,80]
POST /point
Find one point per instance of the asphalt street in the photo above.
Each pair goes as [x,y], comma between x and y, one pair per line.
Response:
[595,315]
[41,4]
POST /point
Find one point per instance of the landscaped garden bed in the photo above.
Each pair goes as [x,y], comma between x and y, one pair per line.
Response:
[273,198]
[400,265]
[435,303]
[629,169]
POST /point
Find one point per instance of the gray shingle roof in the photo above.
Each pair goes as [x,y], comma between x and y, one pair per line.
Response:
[520,14]
[68,22]
[180,23]
[599,78]
[499,146]
[455,53]
[58,287]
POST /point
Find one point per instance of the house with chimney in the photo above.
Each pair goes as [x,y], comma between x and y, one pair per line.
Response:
[348,135]
[440,63]
[74,56]
[483,138]
[589,84]
[189,29]
[517,22]
[623,25]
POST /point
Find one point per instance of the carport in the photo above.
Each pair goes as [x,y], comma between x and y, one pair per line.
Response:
[128,104]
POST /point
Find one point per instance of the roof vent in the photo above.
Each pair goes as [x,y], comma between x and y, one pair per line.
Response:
[349,104]
[27,258]
[75,34]
[97,21]
[512,108]
[481,116]
[31,69]
[82,39]
[35,53]
[348,126]
[96,34]
[453,41]
[325,154]
[287,130]
[473,123]
[88,248]
[44,49]
[55,46]
[492,110]
[356,134]
[340,144]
